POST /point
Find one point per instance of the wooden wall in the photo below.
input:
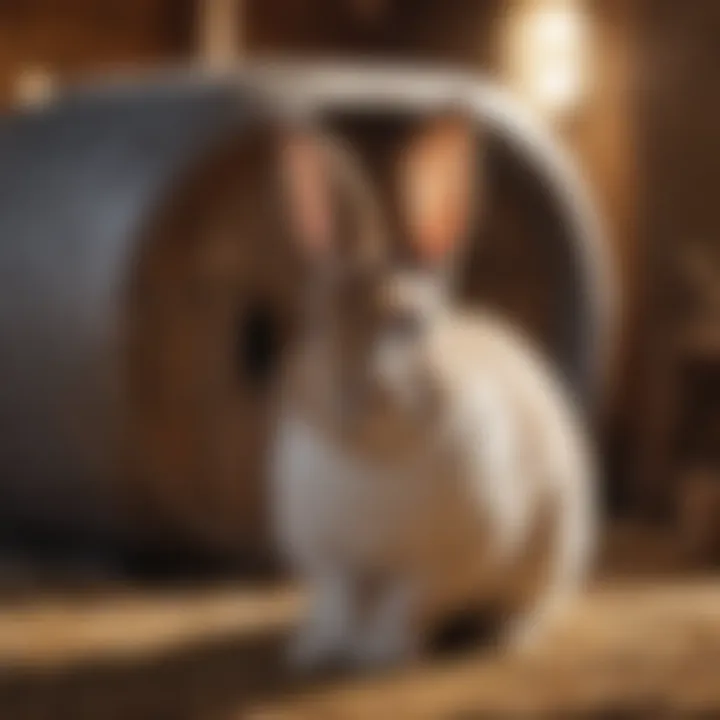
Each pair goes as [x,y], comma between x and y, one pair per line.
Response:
[679,111]
[72,38]
[449,31]
[605,142]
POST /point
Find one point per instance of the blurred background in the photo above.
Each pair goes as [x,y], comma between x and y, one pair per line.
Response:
[121,161]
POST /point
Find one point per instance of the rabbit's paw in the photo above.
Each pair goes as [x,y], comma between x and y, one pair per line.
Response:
[311,649]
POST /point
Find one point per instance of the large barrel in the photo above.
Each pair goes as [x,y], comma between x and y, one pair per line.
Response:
[142,314]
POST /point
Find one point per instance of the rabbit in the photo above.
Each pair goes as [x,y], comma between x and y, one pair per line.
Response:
[427,460]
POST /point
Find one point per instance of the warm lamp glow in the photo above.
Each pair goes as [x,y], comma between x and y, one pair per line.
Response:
[547,54]
[33,86]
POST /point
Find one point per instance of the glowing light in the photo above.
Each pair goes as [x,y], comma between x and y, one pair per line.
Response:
[548,54]
[33,86]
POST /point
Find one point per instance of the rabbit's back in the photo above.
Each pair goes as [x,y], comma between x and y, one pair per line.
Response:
[527,447]
[489,373]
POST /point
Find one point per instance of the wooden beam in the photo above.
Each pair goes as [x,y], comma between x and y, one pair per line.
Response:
[219,28]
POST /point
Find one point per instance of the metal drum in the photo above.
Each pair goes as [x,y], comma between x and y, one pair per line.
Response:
[143,311]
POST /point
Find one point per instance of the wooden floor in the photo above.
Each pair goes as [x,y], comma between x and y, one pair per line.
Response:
[642,644]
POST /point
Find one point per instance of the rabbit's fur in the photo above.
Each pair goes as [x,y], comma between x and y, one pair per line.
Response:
[427,460]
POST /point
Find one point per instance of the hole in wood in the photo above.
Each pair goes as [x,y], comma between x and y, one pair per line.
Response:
[258,345]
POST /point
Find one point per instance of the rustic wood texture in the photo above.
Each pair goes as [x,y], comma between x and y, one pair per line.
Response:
[75,38]
[679,111]
[214,259]
[451,31]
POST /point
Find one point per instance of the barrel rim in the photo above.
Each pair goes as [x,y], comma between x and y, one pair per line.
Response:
[322,85]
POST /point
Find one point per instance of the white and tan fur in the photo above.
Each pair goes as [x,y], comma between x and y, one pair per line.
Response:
[423,472]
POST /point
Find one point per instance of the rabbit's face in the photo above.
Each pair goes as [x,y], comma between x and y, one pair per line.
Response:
[407,303]
[373,333]
[373,312]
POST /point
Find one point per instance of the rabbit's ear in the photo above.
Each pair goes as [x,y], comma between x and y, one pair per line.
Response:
[306,187]
[438,186]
